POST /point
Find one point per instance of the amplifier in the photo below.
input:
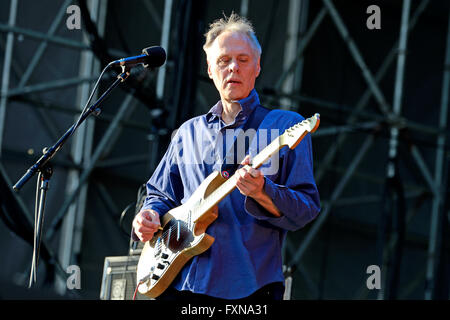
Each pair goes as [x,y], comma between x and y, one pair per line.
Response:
[136,248]
[119,278]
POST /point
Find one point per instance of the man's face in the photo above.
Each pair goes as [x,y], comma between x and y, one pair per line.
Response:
[233,65]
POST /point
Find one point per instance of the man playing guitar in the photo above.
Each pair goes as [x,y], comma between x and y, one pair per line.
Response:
[245,261]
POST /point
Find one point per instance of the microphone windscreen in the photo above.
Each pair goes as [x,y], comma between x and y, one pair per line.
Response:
[156,56]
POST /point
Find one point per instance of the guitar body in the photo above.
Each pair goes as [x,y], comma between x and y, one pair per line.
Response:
[183,237]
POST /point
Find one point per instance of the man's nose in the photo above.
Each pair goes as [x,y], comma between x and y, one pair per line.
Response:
[233,66]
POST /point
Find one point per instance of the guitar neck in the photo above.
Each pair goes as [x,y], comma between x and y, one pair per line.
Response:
[267,153]
[228,186]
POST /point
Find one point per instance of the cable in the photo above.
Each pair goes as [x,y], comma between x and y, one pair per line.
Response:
[90,98]
[136,290]
[35,235]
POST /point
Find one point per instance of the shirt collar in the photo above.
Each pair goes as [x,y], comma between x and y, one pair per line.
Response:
[248,104]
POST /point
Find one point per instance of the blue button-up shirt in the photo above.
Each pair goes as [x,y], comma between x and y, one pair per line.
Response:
[246,253]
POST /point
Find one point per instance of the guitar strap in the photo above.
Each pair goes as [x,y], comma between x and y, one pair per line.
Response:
[253,122]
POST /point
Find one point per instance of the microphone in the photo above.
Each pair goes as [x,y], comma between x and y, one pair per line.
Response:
[152,57]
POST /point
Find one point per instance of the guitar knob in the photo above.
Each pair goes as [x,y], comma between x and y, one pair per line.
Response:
[155,277]
[160,266]
[164,255]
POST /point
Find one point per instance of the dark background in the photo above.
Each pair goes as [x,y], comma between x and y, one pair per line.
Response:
[360,217]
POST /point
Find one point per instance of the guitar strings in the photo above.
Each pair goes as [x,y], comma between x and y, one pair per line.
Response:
[169,233]
[171,230]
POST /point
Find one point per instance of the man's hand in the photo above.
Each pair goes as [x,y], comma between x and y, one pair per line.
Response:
[250,183]
[145,224]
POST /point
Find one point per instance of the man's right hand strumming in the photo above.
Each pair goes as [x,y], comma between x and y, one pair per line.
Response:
[145,224]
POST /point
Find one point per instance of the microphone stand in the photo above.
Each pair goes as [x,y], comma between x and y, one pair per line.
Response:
[45,170]
[44,175]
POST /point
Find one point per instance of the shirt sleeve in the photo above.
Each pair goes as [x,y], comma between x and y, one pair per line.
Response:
[295,194]
[165,188]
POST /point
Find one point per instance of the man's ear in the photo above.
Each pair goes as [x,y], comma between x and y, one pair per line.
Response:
[258,67]
[209,69]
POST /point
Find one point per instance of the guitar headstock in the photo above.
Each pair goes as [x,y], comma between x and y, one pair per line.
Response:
[293,135]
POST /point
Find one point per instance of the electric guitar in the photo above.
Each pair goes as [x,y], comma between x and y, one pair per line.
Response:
[183,233]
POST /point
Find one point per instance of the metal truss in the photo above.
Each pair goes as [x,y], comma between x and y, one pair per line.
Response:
[390,115]
[84,157]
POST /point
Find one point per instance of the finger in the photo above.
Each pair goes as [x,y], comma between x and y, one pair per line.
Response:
[148,233]
[242,189]
[249,174]
[144,229]
[143,233]
[254,172]
[150,215]
[144,237]
[246,160]
[151,224]
[243,173]
[142,221]
[242,184]
[248,185]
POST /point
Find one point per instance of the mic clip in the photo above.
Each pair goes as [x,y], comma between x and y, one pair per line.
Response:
[125,73]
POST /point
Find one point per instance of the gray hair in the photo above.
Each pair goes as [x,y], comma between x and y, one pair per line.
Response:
[234,23]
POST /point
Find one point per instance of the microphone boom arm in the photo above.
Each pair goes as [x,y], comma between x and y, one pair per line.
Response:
[50,152]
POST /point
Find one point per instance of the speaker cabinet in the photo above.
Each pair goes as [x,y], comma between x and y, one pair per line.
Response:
[119,278]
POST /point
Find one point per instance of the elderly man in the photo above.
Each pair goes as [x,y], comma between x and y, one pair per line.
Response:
[245,259]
